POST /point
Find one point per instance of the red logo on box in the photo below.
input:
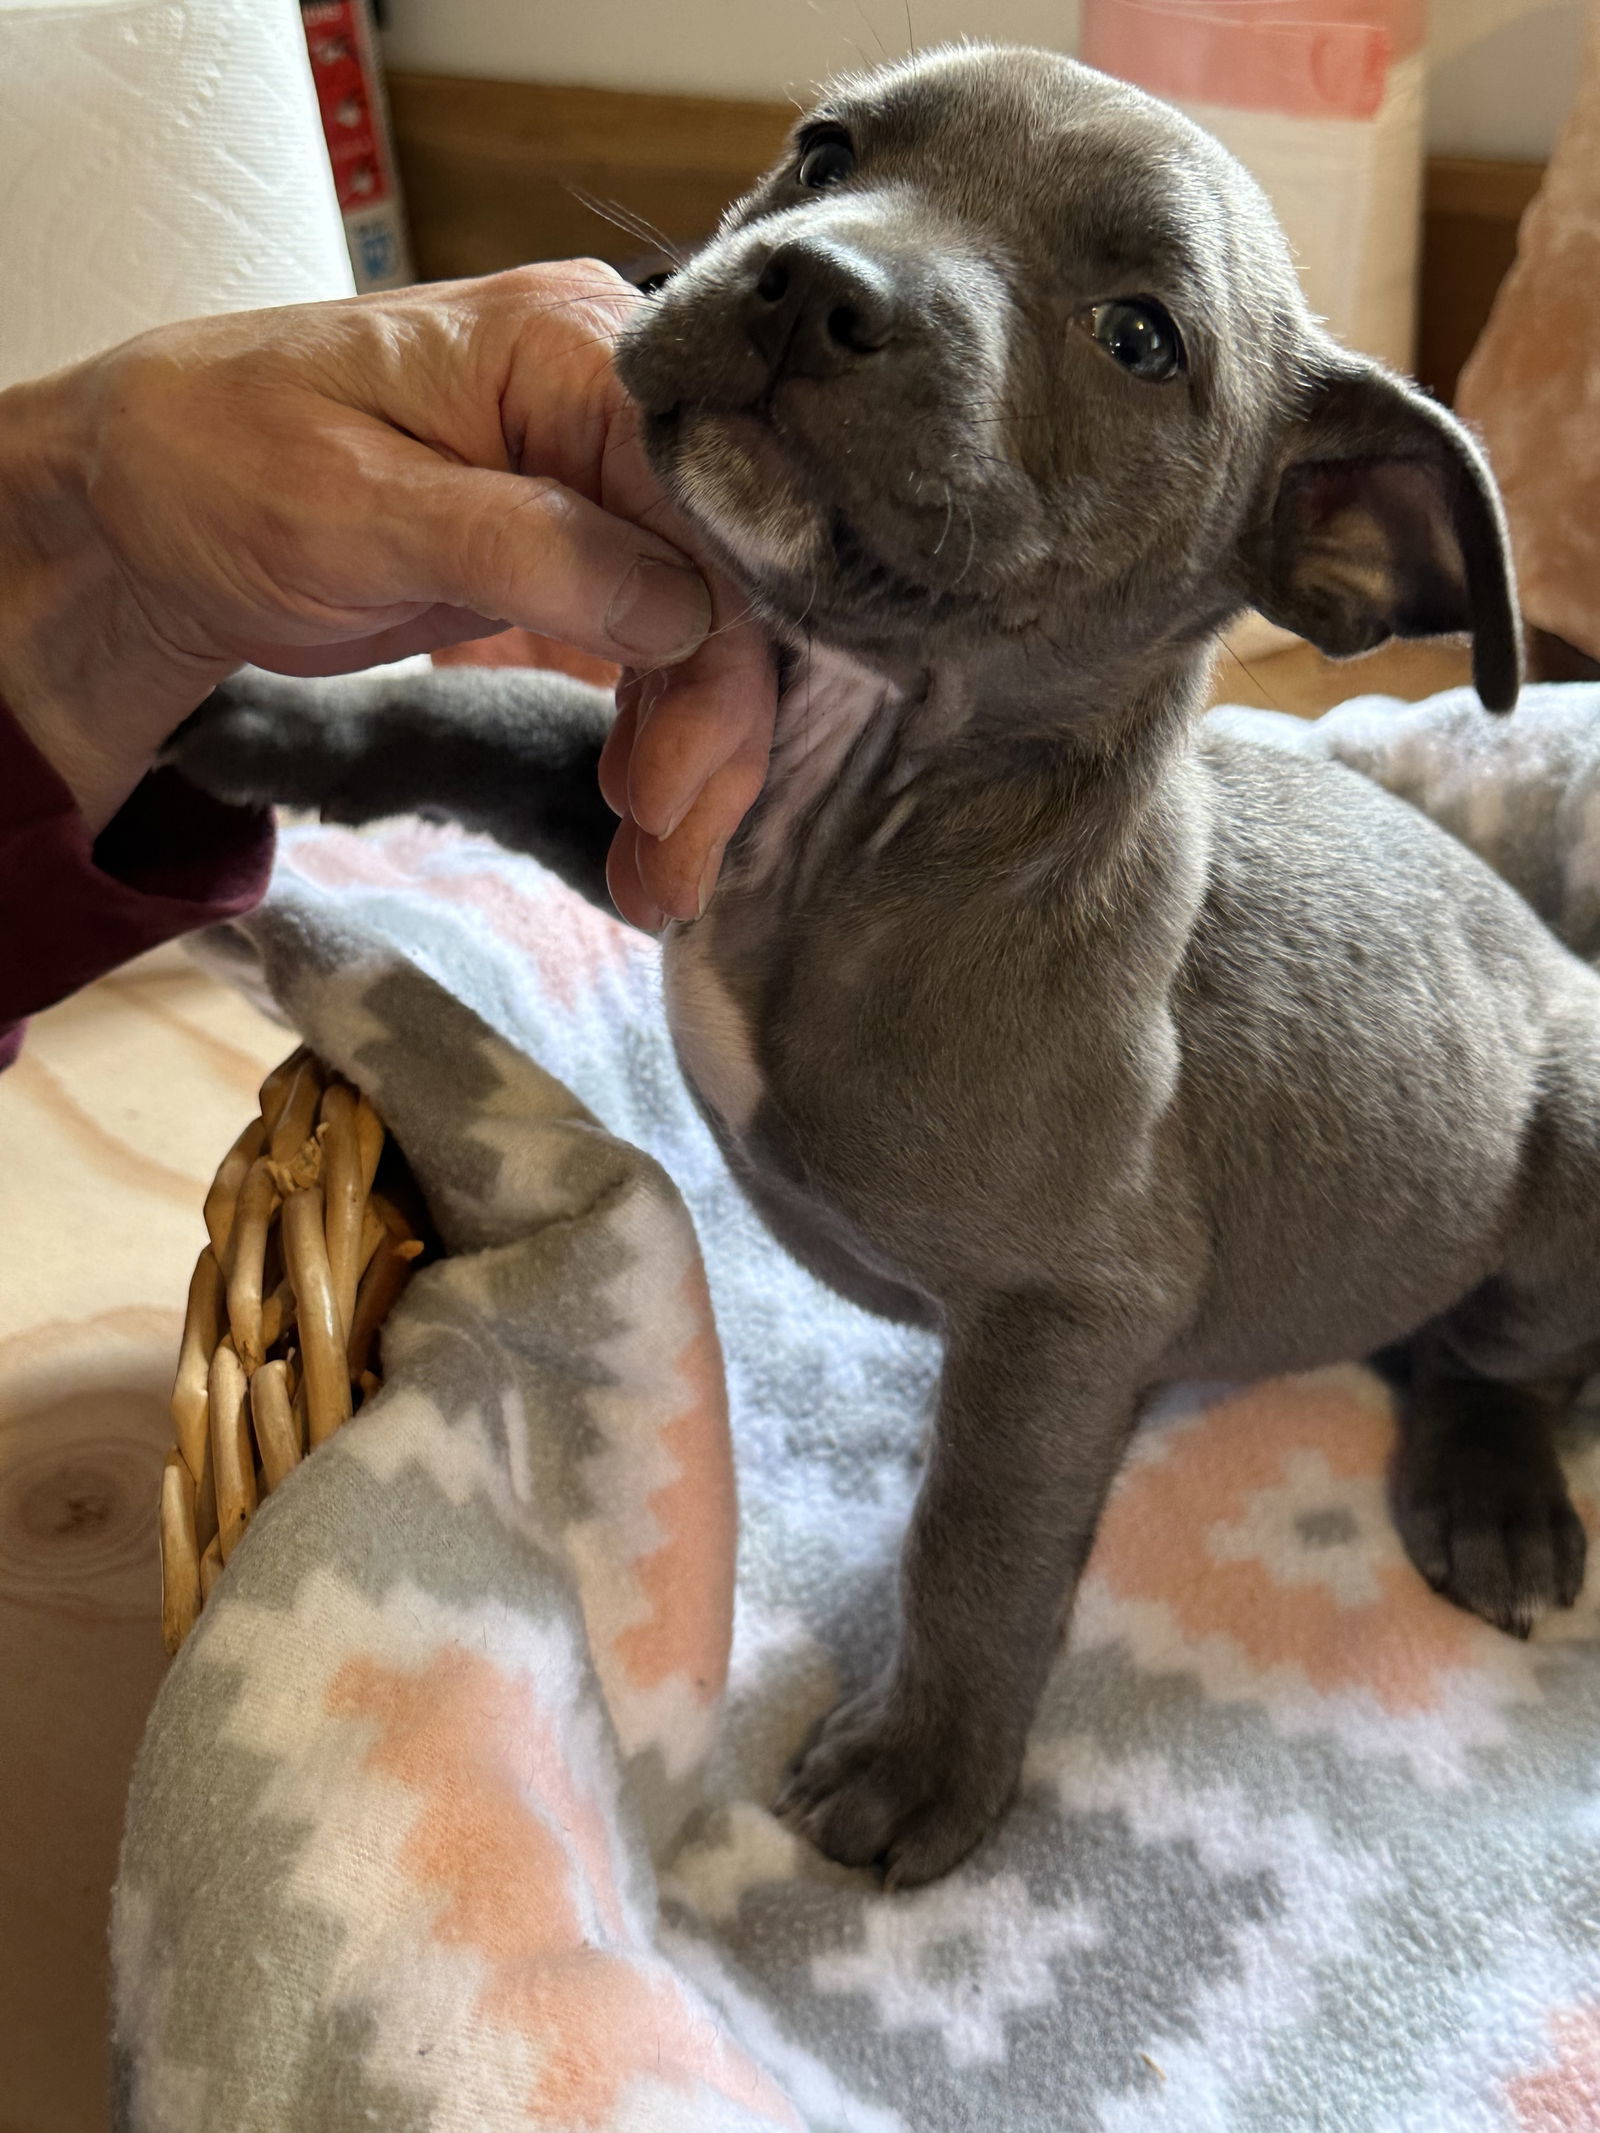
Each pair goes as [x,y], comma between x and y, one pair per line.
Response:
[333,38]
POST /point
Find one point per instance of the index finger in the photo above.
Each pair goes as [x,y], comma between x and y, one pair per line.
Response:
[678,873]
[691,721]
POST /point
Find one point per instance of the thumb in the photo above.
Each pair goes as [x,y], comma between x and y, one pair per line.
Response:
[532,553]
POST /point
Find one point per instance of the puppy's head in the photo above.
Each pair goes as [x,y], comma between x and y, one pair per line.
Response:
[1005,350]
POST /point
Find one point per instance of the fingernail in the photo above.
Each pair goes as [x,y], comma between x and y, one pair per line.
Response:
[660,611]
[708,878]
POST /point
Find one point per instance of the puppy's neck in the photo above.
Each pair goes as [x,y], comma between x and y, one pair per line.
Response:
[836,720]
[859,749]
[1108,709]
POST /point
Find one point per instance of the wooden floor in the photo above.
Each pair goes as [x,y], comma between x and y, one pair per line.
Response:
[111,1125]
[1302,681]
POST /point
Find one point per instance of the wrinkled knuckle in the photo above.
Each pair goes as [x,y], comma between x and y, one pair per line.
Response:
[589,284]
[595,274]
[565,287]
[505,542]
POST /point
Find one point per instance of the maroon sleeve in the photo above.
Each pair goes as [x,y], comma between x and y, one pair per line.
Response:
[72,908]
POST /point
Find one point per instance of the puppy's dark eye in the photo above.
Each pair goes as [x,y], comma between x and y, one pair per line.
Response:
[826,159]
[1137,333]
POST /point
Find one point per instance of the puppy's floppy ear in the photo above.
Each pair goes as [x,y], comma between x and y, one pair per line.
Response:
[1383,521]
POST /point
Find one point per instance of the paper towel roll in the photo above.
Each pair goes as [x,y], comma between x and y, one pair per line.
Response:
[159,159]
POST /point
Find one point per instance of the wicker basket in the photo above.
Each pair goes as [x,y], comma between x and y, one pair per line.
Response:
[315,1227]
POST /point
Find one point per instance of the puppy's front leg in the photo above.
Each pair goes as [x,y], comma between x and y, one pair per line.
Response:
[1034,1412]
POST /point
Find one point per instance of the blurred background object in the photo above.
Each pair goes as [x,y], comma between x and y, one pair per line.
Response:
[1532,386]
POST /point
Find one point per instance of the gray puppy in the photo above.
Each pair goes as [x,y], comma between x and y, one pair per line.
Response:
[1028,1008]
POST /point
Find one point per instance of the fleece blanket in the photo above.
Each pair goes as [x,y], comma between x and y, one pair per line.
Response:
[453,1812]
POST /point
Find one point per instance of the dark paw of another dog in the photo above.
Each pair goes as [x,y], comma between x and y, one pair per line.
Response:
[876,1786]
[255,741]
[1494,1532]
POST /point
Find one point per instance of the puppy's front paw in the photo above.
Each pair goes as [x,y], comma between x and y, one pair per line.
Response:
[259,740]
[880,1786]
[1495,1532]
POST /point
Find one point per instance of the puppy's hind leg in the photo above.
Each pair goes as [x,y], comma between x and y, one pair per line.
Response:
[1479,1496]
[1480,1499]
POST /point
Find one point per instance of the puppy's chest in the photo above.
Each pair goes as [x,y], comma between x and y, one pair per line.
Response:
[713,1026]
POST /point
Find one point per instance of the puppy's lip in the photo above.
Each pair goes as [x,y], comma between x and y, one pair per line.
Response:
[770,453]
[750,429]
[753,430]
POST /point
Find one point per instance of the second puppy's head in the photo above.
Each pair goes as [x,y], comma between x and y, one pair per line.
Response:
[1004,351]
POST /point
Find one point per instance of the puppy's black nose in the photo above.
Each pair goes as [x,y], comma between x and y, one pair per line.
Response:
[816,307]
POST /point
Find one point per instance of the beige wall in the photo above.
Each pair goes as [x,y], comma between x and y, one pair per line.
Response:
[761,48]
[1502,69]
[1502,74]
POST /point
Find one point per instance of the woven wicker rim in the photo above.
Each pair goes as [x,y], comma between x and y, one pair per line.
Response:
[305,1262]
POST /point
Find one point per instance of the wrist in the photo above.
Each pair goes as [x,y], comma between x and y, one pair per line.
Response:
[70,666]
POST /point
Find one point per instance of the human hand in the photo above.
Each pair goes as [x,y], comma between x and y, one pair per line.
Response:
[315,489]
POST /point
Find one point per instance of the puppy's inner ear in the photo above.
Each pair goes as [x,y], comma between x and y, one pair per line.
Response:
[1369,554]
[1386,524]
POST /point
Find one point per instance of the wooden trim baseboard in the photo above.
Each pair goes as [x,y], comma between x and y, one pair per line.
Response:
[495,171]
[1471,210]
